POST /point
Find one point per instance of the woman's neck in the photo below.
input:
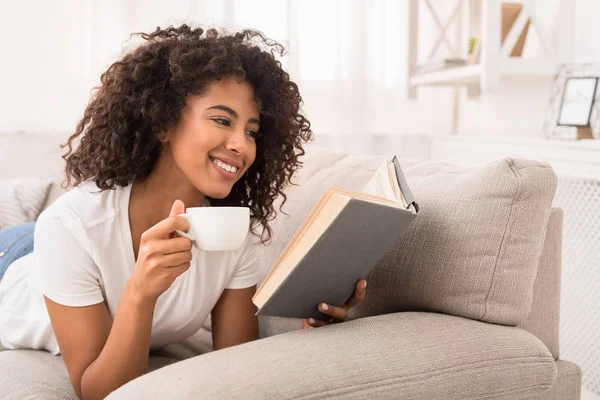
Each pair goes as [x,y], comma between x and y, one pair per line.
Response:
[165,184]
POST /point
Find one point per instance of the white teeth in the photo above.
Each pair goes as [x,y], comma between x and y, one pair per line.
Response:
[225,166]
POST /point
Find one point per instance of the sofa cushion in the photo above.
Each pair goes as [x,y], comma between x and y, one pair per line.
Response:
[567,384]
[400,356]
[21,200]
[18,150]
[473,250]
[29,374]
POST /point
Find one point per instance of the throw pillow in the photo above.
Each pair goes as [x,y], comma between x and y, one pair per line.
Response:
[475,247]
[22,200]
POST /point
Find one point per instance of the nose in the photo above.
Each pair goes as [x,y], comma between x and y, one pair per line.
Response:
[237,142]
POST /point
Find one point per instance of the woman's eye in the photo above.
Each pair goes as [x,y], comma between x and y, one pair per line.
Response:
[253,134]
[226,122]
[220,121]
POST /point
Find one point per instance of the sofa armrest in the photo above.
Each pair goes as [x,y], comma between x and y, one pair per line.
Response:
[543,320]
[403,355]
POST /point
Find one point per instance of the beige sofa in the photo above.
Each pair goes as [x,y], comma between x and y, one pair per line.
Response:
[465,306]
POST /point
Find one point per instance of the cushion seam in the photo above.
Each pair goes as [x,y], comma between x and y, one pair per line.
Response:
[567,375]
[533,166]
[447,371]
[509,221]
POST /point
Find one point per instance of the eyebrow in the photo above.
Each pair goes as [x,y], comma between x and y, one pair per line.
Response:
[231,112]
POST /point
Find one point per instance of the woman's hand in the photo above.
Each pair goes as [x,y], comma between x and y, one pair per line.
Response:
[162,257]
[337,314]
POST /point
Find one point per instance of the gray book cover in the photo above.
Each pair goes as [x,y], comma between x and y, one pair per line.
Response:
[404,188]
[347,251]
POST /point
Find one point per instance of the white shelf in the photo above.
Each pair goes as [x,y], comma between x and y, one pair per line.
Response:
[516,66]
[469,74]
[495,63]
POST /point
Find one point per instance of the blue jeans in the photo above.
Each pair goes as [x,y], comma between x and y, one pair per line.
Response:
[15,242]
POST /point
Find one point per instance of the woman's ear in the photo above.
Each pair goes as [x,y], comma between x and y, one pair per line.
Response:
[163,137]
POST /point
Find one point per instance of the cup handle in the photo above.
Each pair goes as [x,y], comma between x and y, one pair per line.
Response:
[190,233]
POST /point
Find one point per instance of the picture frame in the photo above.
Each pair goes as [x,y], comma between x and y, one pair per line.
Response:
[577,101]
[560,122]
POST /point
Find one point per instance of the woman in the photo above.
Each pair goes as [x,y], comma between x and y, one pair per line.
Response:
[188,119]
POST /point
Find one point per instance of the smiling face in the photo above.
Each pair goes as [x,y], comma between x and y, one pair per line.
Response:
[214,142]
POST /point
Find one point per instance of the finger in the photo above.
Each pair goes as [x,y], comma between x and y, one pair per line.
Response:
[179,269]
[318,323]
[171,246]
[166,226]
[175,259]
[358,295]
[306,325]
[335,312]
[313,323]
[171,274]
[177,208]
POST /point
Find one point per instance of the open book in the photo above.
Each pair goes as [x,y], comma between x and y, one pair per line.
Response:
[342,239]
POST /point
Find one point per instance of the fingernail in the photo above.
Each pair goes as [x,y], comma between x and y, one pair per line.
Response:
[311,321]
[324,307]
[364,284]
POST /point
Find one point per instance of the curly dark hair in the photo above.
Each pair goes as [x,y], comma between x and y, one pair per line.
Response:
[142,95]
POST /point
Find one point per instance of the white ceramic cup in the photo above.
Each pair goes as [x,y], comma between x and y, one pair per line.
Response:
[217,228]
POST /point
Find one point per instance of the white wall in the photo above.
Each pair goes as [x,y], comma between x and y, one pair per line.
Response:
[41,67]
[47,69]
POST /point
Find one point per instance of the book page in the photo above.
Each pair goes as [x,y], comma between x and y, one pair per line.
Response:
[380,184]
[367,197]
[396,187]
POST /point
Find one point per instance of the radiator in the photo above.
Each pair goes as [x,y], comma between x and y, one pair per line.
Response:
[580,288]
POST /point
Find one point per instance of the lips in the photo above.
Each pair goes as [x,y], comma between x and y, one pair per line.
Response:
[223,165]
